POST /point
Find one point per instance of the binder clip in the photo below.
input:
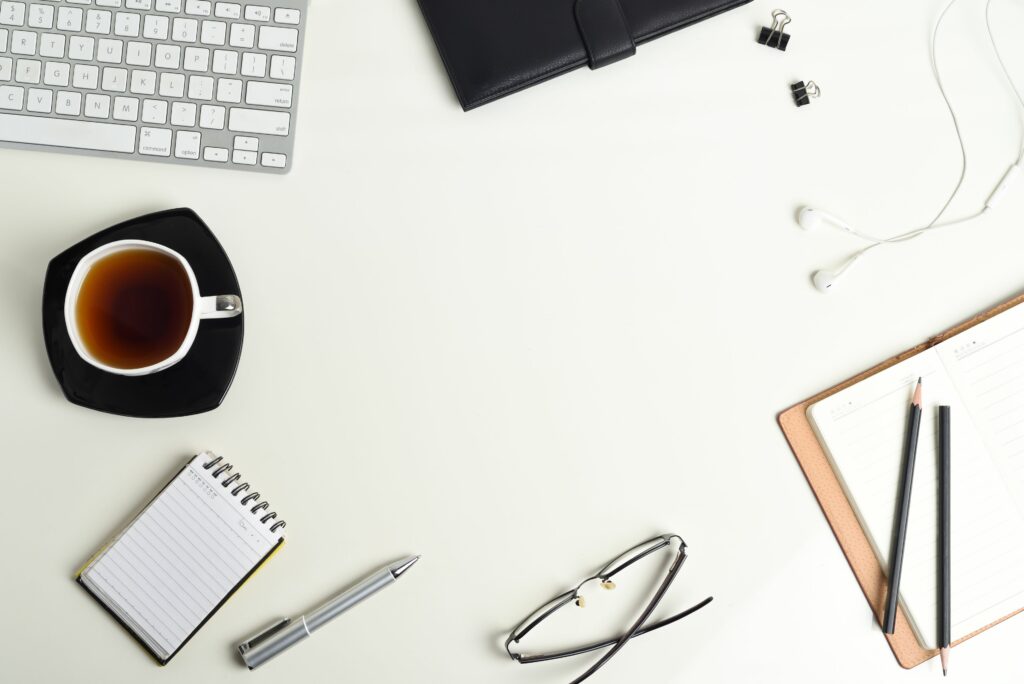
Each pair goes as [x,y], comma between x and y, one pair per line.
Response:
[776,37]
[803,92]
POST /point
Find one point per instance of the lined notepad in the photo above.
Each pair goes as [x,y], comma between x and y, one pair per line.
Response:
[173,566]
[980,374]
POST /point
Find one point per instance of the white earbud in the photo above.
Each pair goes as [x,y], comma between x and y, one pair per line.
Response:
[824,280]
[812,219]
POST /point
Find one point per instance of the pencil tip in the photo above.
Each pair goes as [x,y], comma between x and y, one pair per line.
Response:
[920,380]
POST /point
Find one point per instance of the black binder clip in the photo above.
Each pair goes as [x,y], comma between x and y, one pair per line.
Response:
[803,92]
[775,37]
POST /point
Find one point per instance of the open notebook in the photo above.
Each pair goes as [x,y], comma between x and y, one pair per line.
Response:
[980,374]
[184,555]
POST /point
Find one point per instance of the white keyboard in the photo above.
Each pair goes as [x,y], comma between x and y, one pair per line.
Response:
[183,81]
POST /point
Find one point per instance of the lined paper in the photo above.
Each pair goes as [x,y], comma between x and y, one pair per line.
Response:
[980,375]
[172,566]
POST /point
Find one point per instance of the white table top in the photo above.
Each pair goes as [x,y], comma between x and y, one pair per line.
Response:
[520,339]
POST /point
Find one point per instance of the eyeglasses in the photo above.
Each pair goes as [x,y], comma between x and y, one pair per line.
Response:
[645,552]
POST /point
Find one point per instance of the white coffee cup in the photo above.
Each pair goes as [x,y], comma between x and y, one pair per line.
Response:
[221,306]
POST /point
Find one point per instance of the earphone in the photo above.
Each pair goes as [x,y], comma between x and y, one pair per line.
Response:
[811,219]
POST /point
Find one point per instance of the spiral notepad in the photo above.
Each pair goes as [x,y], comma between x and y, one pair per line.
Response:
[184,555]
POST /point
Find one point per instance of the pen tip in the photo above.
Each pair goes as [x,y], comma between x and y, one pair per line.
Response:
[398,569]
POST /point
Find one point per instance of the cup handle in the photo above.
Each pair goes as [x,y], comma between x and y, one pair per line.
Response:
[221,306]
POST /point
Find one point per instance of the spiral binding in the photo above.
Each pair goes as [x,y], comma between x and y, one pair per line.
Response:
[225,469]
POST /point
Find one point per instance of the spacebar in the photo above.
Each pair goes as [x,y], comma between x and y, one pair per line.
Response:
[81,135]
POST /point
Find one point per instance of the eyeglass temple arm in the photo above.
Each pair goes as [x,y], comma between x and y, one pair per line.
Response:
[611,642]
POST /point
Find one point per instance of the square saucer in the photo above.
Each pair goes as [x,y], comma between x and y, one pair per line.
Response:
[196,384]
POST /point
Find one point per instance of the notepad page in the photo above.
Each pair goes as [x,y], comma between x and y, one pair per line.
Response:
[987,365]
[176,562]
[863,429]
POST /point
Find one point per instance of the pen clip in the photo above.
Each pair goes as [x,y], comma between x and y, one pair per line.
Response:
[262,636]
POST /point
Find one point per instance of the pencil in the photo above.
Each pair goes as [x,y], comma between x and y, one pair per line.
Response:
[945,454]
[902,511]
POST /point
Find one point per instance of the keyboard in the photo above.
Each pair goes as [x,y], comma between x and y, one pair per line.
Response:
[181,81]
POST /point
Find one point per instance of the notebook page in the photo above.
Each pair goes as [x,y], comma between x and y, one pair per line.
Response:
[987,364]
[171,567]
[863,429]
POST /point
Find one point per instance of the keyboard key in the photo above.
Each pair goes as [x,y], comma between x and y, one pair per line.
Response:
[254,64]
[138,54]
[268,94]
[81,48]
[287,16]
[69,18]
[6,68]
[242,36]
[69,103]
[282,67]
[156,27]
[80,135]
[172,85]
[126,109]
[115,79]
[277,39]
[273,160]
[212,116]
[57,74]
[168,56]
[98,21]
[12,14]
[187,145]
[97,106]
[11,98]
[154,112]
[40,100]
[229,90]
[185,30]
[200,8]
[155,141]
[213,33]
[28,71]
[87,77]
[215,154]
[200,88]
[168,5]
[247,143]
[258,121]
[228,10]
[139,4]
[109,51]
[243,157]
[183,114]
[3,40]
[197,59]
[127,24]
[52,45]
[41,16]
[257,13]
[23,43]
[143,82]
[225,62]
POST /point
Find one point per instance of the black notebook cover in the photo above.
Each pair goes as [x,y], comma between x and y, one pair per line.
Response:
[492,48]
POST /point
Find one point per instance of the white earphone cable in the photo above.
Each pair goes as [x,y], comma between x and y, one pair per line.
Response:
[935,224]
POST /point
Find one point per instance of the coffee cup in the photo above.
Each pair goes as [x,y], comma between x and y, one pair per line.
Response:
[133,307]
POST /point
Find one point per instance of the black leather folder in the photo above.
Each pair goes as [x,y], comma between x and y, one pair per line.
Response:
[492,48]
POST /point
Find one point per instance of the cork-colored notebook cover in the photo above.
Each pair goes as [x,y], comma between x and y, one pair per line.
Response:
[839,511]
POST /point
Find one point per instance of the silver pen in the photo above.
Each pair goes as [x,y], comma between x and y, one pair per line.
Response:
[285,633]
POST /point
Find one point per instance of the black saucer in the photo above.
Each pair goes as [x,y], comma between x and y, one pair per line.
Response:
[197,383]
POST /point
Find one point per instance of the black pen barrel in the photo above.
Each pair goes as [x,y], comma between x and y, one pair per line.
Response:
[945,454]
[902,516]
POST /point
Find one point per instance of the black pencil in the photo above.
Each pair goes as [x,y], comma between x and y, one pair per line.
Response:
[899,537]
[945,454]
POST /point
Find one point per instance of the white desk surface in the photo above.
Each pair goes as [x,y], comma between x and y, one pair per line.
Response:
[520,339]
